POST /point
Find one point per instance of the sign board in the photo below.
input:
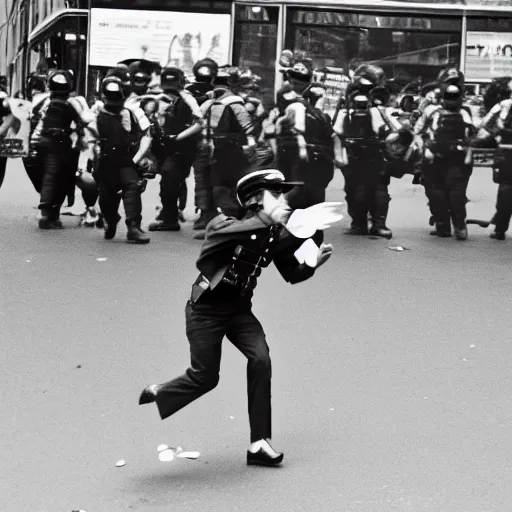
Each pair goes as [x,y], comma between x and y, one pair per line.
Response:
[488,55]
[335,82]
[15,142]
[171,38]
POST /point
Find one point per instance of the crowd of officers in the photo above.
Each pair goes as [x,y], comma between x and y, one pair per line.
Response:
[217,126]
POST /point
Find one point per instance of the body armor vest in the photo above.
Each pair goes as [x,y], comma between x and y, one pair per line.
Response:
[361,140]
[57,120]
[318,127]
[222,124]
[115,140]
[176,117]
[247,262]
[449,132]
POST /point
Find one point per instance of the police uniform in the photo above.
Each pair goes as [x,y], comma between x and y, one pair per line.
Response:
[205,71]
[228,127]
[52,138]
[448,166]
[362,129]
[178,112]
[120,136]
[503,171]
[231,260]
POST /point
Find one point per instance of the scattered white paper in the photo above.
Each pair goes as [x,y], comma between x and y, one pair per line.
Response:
[231,417]
[397,248]
[28,261]
[472,346]
[101,259]
[166,455]
[307,253]
[120,463]
[331,410]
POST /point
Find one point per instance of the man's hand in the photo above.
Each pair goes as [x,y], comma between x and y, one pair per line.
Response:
[324,254]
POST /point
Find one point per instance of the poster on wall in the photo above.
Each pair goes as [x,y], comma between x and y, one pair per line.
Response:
[335,82]
[170,38]
[488,55]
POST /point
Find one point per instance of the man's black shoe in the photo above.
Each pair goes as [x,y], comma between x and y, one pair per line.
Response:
[148,395]
[382,232]
[498,235]
[262,458]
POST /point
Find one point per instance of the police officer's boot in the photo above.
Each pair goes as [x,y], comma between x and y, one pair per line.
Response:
[136,234]
[50,219]
[379,228]
[110,227]
[442,230]
[461,233]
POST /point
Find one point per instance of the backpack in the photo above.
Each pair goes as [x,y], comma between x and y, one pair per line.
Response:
[449,132]
[224,125]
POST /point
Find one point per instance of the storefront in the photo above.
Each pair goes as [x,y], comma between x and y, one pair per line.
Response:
[411,40]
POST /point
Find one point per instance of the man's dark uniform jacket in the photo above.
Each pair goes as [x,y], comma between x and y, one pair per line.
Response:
[234,253]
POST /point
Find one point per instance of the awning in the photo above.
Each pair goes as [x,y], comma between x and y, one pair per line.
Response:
[43,27]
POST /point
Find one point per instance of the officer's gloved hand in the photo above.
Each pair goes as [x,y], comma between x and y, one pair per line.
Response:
[147,168]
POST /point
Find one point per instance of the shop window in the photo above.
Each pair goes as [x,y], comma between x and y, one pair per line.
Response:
[409,49]
[488,48]
[255,45]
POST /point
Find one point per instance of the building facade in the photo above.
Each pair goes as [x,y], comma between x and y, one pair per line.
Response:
[411,39]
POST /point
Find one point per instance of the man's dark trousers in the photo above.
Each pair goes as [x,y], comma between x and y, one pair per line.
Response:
[207,325]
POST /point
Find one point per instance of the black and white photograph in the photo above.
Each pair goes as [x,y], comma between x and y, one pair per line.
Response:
[253,255]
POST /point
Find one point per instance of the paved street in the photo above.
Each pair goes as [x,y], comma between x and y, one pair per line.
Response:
[392,387]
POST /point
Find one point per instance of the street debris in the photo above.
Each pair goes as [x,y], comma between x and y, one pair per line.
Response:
[168,454]
[398,248]
[120,463]
[79,366]
[101,259]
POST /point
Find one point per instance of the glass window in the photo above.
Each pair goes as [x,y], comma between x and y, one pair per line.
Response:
[488,48]
[255,45]
[409,49]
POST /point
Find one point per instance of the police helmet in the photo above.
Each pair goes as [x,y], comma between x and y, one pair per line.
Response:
[205,70]
[369,74]
[112,91]
[60,81]
[300,71]
[121,72]
[172,78]
[227,76]
[451,76]
[380,95]
[452,97]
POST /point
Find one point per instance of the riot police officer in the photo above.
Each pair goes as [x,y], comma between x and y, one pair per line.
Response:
[52,138]
[180,121]
[448,162]
[123,144]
